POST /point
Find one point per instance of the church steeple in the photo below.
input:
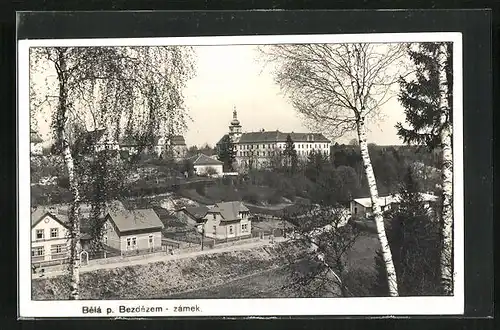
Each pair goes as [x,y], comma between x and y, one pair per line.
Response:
[235,121]
[235,127]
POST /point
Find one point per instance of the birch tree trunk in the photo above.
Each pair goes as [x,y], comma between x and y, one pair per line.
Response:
[447,177]
[74,211]
[74,220]
[377,213]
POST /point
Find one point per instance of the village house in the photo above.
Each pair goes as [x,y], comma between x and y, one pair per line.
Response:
[192,215]
[205,165]
[35,143]
[178,147]
[49,236]
[257,149]
[362,207]
[132,231]
[227,220]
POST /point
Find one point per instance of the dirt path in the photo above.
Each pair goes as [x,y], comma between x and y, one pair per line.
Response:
[160,258]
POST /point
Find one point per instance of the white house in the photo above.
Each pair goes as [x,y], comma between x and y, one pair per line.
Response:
[227,220]
[362,207]
[204,165]
[49,235]
[35,143]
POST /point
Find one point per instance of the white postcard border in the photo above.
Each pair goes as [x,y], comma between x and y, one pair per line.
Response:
[376,306]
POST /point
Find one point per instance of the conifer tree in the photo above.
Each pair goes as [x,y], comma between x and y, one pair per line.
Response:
[413,236]
[226,153]
[428,103]
[290,155]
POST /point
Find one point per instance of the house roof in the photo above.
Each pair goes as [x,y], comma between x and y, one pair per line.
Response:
[38,214]
[202,159]
[386,200]
[128,141]
[95,135]
[35,138]
[229,210]
[277,136]
[177,140]
[197,212]
[129,220]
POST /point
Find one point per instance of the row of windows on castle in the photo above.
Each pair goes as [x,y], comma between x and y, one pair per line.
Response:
[282,146]
[272,153]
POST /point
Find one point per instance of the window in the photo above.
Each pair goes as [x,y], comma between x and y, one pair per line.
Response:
[215,229]
[54,232]
[39,251]
[105,239]
[355,210]
[40,234]
[244,227]
[57,248]
[230,229]
[263,146]
[150,240]
[134,241]
[128,242]
[215,217]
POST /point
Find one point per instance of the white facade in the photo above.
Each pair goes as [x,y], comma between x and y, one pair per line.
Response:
[362,207]
[49,240]
[204,169]
[260,149]
[36,148]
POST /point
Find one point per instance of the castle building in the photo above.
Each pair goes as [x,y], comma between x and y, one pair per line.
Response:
[259,149]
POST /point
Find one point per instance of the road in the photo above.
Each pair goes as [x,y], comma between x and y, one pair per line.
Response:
[160,258]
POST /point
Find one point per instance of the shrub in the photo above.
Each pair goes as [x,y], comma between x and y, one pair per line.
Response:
[251,197]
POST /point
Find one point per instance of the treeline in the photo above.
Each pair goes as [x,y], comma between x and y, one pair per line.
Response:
[340,177]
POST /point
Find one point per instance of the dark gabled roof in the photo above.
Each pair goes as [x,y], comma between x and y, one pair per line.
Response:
[35,138]
[197,212]
[129,220]
[229,210]
[128,141]
[40,212]
[202,159]
[95,135]
[250,137]
[277,136]
[177,140]
[222,139]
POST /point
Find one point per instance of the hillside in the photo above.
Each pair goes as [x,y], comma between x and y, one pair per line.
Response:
[161,279]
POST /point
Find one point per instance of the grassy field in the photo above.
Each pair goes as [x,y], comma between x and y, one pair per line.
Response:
[274,283]
[265,284]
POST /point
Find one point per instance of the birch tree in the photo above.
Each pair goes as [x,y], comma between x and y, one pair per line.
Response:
[428,102]
[126,90]
[340,88]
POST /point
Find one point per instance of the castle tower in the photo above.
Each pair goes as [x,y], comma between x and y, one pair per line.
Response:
[235,127]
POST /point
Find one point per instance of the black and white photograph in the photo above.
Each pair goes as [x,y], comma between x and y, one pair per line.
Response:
[302,174]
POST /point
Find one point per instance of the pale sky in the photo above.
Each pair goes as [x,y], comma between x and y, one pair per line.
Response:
[229,76]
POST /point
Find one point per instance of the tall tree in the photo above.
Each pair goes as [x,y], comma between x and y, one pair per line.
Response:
[338,88]
[413,234]
[323,231]
[226,153]
[290,155]
[127,90]
[428,103]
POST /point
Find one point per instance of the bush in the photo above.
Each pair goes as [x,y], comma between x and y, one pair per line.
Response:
[251,197]
[275,199]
